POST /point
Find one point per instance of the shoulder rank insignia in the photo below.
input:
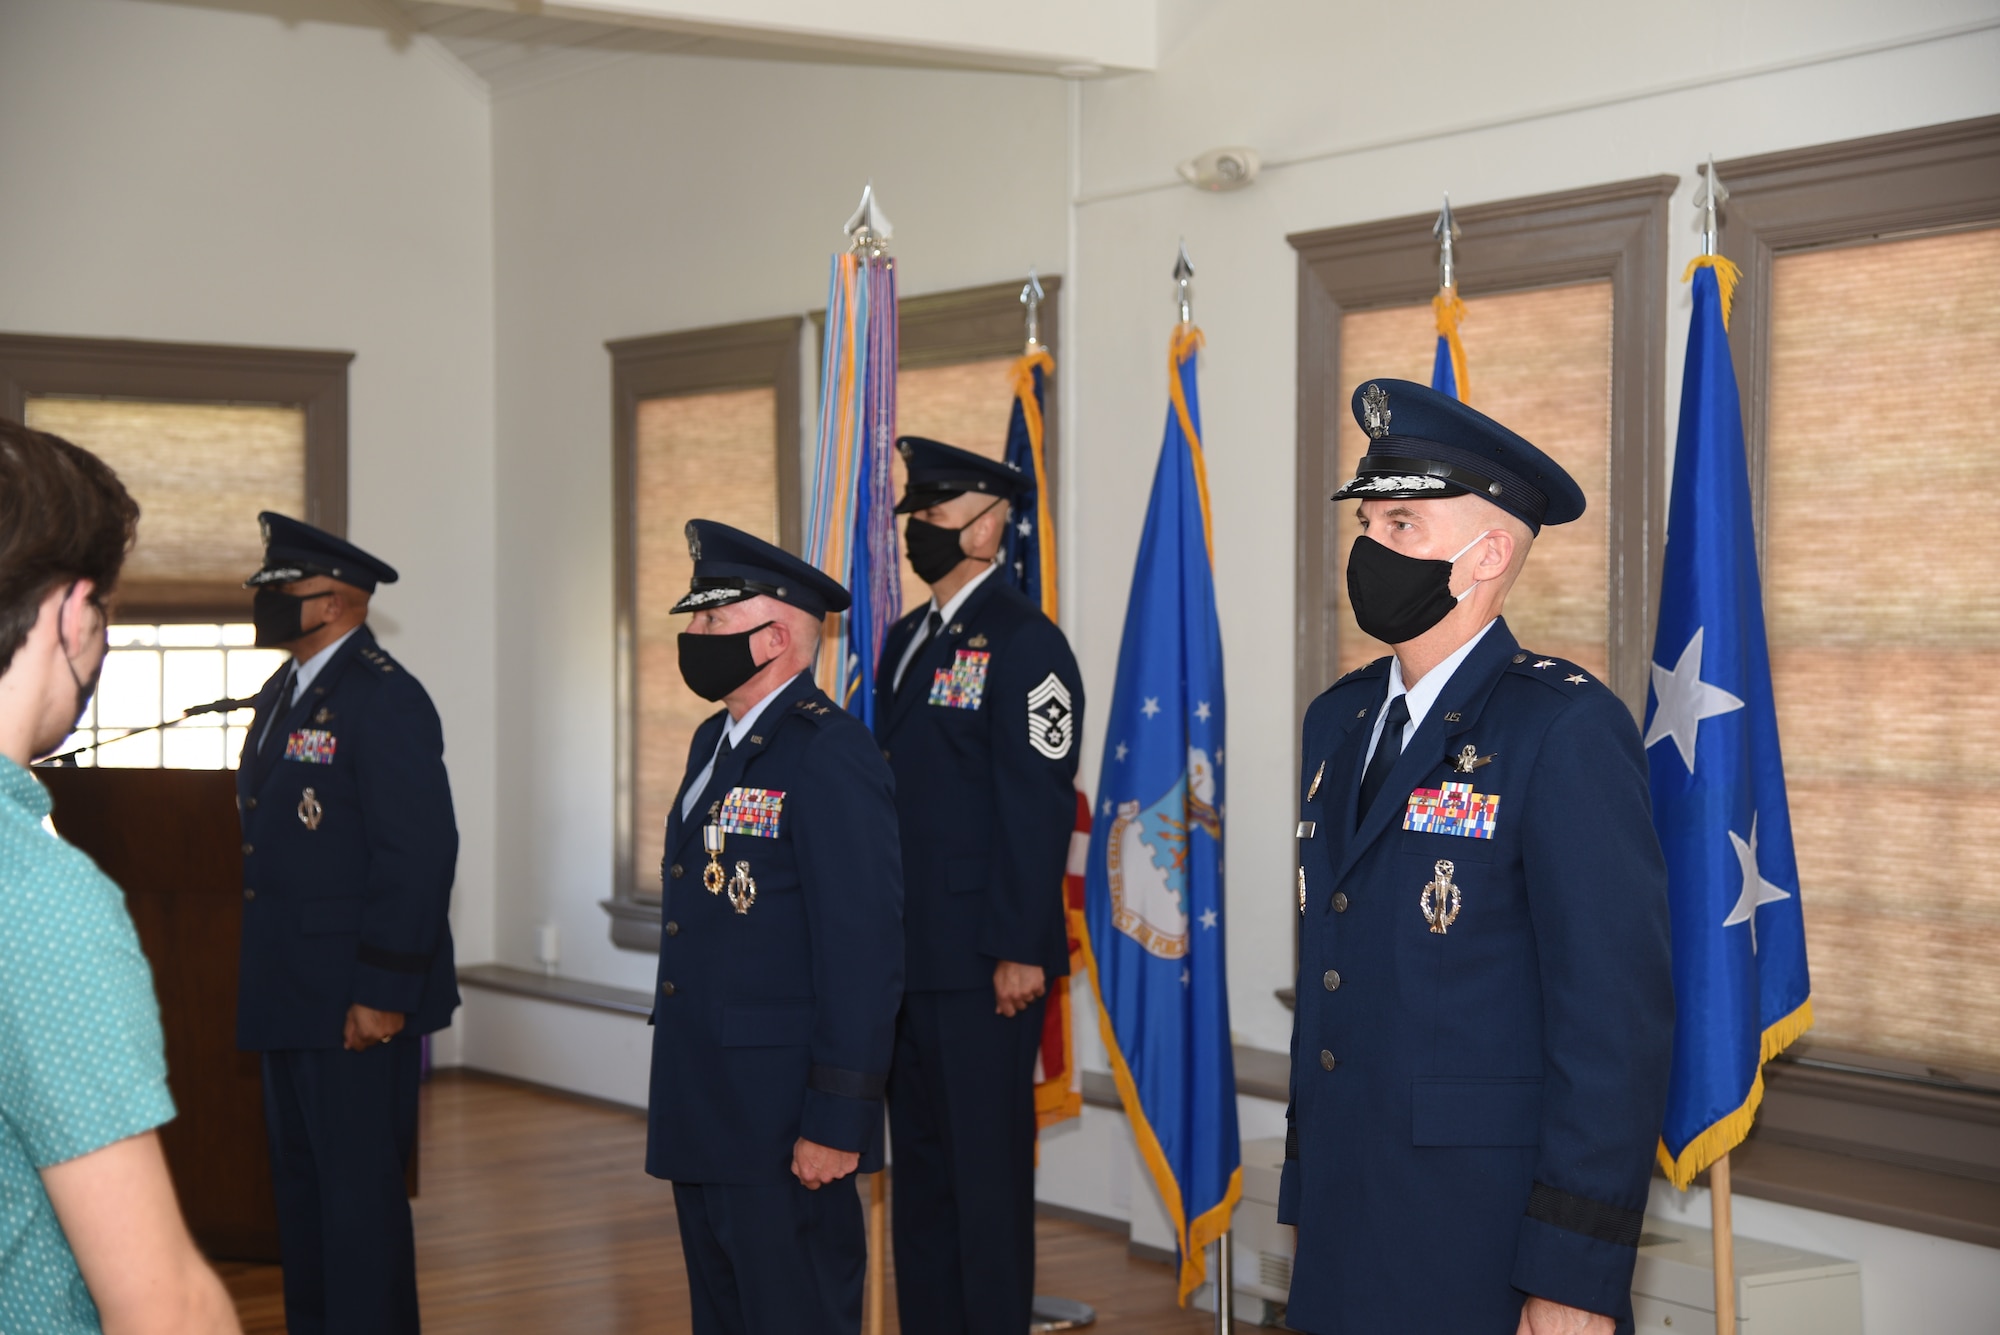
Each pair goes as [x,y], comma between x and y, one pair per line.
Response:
[313,746]
[963,684]
[1469,760]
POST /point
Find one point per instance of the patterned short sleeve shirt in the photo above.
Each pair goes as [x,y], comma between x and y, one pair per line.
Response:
[82,1061]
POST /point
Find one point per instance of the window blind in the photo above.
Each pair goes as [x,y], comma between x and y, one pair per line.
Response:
[1880,524]
[964,404]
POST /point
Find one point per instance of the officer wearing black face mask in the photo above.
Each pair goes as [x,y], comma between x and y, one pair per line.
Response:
[1483,1032]
[978,704]
[349,849]
[781,957]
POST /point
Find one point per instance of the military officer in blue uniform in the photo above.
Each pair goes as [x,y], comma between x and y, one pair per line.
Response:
[977,706]
[781,962]
[349,848]
[1481,1045]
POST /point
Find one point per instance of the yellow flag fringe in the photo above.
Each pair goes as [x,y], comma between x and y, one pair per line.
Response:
[1729,1130]
[1727,275]
[1450,314]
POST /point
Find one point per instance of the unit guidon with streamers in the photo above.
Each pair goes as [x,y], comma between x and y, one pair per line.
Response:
[753,811]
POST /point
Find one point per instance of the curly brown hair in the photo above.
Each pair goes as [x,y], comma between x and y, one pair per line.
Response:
[64,516]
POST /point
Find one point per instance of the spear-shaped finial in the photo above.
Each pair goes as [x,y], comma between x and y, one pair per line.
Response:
[1183,271]
[869,230]
[1710,195]
[1031,297]
[1445,229]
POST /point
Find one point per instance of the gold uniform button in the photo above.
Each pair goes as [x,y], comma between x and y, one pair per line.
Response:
[248,893]
[1326,1061]
[248,849]
[676,871]
[673,929]
[667,989]
[1331,978]
[250,802]
[1339,902]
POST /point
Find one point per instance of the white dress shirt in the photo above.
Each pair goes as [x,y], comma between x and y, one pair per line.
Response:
[1421,696]
[734,732]
[945,614]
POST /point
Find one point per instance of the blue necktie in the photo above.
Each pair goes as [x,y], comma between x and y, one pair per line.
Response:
[1388,751]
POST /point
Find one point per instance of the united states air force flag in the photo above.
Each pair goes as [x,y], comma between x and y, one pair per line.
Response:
[1740,985]
[1153,887]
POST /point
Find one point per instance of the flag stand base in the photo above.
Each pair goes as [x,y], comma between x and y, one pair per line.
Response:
[1060,1314]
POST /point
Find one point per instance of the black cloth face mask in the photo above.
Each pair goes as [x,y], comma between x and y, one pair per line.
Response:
[935,550]
[280,617]
[1395,597]
[715,665]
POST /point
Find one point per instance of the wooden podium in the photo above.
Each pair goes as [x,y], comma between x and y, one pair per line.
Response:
[170,838]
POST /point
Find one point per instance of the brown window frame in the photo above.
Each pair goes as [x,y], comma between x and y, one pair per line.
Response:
[751,355]
[1840,1132]
[34,365]
[1614,232]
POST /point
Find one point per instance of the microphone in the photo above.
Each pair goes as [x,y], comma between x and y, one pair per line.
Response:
[226,705]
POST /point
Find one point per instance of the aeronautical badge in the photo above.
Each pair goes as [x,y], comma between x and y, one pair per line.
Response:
[1375,411]
[1051,722]
[323,716]
[963,684]
[1441,899]
[1469,760]
[742,888]
[1453,808]
[310,810]
[752,811]
[313,746]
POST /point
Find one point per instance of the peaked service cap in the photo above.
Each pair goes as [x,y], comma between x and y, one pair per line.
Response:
[294,549]
[939,472]
[731,566]
[1423,442]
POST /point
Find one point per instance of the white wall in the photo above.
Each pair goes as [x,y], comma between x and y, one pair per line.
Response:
[668,193]
[204,175]
[1365,111]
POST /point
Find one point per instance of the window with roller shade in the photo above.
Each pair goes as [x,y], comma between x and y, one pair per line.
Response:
[204,438]
[705,426]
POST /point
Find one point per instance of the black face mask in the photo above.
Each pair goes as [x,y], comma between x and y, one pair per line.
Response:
[1395,597]
[280,617]
[935,551]
[84,689]
[715,665]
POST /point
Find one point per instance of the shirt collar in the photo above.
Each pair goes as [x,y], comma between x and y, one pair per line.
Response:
[23,789]
[950,609]
[310,668]
[737,729]
[1425,693]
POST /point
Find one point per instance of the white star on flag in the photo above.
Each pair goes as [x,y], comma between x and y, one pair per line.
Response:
[1685,700]
[1024,528]
[1201,711]
[1151,707]
[1122,751]
[1186,977]
[1757,891]
[1208,917]
[1107,806]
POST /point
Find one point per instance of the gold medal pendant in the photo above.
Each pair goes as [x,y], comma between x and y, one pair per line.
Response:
[1441,899]
[712,875]
[742,887]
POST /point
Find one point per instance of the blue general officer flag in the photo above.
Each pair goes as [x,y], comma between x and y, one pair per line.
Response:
[1740,984]
[1028,550]
[1153,888]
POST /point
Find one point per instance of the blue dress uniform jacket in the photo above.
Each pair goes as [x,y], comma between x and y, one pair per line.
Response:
[1474,1112]
[777,1023]
[985,793]
[349,850]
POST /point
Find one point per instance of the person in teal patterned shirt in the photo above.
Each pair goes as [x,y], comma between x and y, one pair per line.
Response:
[91,1236]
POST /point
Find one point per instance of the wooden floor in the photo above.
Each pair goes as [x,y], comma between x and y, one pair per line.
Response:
[536,1217]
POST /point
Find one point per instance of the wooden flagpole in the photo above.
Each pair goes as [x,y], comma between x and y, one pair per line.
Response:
[878,1243]
[1725,1247]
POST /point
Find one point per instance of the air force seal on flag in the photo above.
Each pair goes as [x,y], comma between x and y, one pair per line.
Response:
[1146,858]
[1051,721]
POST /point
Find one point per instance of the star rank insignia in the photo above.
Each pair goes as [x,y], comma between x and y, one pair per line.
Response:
[1546,663]
[1576,679]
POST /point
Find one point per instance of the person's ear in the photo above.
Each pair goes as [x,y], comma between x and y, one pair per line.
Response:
[1496,554]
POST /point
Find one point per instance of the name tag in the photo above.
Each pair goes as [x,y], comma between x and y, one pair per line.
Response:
[752,811]
[314,746]
[1453,809]
[963,684]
